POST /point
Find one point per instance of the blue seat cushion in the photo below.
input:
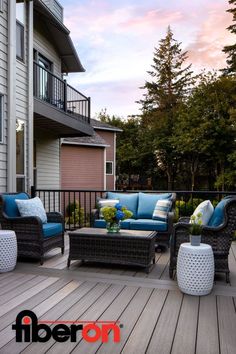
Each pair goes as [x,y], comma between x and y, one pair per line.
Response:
[218,215]
[130,201]
[51,229]
[10,206]
[148,225]
[147,203]
[101,223]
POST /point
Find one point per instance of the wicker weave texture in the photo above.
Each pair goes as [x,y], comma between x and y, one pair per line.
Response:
[219,238]
[112,249]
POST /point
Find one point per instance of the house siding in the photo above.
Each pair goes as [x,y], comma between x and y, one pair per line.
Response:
[45,47]
[3,91]
[108,136]
[47,161]
[22,91]
[82,167]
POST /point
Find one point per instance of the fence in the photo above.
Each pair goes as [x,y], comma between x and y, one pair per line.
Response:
[77,205]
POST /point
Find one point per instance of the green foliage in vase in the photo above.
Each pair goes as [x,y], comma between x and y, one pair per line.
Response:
[116,213]
[196,224]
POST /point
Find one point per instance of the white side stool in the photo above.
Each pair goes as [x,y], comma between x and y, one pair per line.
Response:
[195,269]
[8,250]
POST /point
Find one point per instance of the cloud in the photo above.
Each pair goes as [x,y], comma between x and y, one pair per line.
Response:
[206,49]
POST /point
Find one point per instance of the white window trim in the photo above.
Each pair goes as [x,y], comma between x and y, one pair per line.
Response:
[23,175]
[2,100]
[112,164]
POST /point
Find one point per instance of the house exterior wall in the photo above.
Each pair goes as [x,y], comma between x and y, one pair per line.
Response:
[47,161]
[82,167]
[4,92]
[45,47]
[109,137]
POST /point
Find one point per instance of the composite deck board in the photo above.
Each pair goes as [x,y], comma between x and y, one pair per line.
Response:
[7,278]
[21,279]
[207,335]
[29,304]
[58,311]
[93,313]
[76,312]
[163,334]
[113,312]
[129,318]
[227,324]
[41,310]
[137,342]
[186,331]
[30,281]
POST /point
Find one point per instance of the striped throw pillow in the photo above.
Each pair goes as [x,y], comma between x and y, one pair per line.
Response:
[161,209]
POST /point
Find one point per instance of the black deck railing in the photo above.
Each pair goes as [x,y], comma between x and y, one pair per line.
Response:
[77,205]
[55,91]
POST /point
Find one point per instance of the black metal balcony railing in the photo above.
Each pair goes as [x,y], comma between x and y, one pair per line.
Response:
[77,205]
[55,91]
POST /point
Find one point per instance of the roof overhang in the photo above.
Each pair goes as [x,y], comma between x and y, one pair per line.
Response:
[61,37]
[59,123]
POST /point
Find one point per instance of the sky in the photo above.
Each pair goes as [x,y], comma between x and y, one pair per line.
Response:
[115,41]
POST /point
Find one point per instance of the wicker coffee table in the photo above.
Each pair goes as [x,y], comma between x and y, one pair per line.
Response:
[128,247]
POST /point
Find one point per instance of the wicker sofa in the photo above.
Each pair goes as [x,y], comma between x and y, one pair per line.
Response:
[218,236]
[142,206]
[34,239]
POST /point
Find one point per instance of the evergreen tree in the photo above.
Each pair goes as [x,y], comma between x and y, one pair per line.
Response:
[170,85]
[230,50]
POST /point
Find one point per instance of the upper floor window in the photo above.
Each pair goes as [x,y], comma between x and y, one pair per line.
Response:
[109,167]
[20,30]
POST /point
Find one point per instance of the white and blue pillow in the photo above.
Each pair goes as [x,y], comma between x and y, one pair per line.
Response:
[206,209]
[32,207]
[161,209]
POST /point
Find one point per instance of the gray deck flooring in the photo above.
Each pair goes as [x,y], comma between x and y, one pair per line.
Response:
[156,317]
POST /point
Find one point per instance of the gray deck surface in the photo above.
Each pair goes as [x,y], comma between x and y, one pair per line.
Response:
[156,317]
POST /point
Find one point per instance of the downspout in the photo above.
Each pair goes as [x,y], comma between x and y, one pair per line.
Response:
[105,176]
[114,163]
[30,97]
[11,101]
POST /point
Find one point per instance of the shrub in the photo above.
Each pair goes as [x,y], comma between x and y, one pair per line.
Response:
[75,214]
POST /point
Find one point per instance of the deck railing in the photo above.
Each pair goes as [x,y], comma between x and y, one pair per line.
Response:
[55,91]
[77,205]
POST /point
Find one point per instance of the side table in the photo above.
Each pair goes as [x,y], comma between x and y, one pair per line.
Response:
[195,269]
[8,250]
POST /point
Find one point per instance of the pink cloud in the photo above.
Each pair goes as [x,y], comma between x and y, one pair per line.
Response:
[206,50]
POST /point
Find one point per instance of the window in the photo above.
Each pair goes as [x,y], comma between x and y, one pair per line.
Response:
[1,117]
[20,155]
[20,30]
[109,167]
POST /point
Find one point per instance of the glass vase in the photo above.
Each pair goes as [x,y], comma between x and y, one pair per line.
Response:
[113,227]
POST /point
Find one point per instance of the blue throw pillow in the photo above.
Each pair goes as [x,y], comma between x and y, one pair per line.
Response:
[130,201]
[147,202]
[32,207]
[218,215]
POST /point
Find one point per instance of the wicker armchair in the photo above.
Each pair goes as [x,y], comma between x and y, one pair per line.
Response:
[219,238]
[30,233]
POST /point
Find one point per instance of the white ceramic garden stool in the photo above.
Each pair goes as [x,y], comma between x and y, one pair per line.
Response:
[195,269]
[8,250]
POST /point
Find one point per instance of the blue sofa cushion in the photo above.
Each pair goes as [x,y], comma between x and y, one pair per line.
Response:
[51,229]
[10,206]
[101,223]
[218,215]
[147,202]
[130,201]
[148,225]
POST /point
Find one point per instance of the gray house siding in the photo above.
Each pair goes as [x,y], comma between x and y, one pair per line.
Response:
[3,91]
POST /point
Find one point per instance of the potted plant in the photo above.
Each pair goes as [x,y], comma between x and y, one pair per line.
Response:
[195,229]
[113,216]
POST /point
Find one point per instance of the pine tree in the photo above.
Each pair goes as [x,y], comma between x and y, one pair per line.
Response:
[171,81]
[230,50]
[170,85]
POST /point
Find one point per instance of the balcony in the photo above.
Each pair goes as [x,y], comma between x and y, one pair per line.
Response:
[58,106]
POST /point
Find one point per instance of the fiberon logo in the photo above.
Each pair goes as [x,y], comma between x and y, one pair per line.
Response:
[27,329]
